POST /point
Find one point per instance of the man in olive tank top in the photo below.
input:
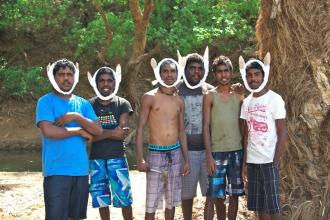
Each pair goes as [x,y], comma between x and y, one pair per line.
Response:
[223,142]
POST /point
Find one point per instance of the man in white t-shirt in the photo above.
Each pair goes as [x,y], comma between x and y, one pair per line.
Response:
[264,138]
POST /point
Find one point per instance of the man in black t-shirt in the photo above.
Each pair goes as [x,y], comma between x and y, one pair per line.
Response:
[108,165]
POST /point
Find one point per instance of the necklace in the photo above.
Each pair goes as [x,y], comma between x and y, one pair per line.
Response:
[172,94]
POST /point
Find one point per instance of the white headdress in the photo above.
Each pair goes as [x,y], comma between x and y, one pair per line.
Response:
[50,69]
[183,60]
[117,75]
[265,66]
[156,68]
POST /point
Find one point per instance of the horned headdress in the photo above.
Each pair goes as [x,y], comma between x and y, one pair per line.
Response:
[156,69]
[265,66]
[117,78]
[183,60]
[50,70]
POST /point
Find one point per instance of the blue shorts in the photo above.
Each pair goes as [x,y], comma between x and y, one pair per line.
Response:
[263,188]
[110,178]
[227,178]
[65,197]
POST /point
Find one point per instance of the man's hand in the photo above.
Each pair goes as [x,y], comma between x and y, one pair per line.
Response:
[66,118]
[121,132]
[142,166]
[86,135]
[186,169]
[238,88]
[210,165]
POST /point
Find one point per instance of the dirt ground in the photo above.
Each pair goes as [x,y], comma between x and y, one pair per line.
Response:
[17,125]
[21,197]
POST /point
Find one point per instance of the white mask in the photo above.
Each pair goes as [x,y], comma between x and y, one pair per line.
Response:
[156,68]
[50,69]
[183,60]
[117,75]
[265,66]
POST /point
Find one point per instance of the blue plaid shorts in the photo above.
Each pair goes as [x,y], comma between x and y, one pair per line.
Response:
[227,178]
[263,188]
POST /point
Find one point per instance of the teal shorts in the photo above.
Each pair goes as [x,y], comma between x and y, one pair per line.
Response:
[109,181]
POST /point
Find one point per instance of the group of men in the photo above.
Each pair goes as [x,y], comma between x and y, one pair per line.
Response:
[198,134]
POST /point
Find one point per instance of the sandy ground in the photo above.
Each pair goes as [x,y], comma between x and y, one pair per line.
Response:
[21,197]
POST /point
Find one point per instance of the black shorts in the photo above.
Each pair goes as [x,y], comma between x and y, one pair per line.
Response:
[65,197]
[263,188]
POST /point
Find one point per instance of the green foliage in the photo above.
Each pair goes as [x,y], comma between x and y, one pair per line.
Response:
[33,15]
[181,24]
[19,82]
[186,25]
[93,36]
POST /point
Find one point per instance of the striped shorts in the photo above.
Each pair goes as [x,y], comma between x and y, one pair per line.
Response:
[227,178]
[163,180]
[263,188]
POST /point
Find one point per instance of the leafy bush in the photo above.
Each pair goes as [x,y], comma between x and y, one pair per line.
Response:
[21,83]
[180,24]
[93,35]
[187,25]
[33,15]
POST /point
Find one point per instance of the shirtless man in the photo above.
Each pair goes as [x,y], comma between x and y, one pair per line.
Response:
[163,110]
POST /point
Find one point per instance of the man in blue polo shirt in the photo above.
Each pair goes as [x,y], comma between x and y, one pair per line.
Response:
[65,121]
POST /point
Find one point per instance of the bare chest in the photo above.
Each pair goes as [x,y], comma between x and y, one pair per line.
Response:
[168,107]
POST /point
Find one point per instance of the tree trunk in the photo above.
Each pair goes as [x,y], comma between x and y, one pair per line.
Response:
[297,34]
[141,21]
[140,38]
[101,54]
